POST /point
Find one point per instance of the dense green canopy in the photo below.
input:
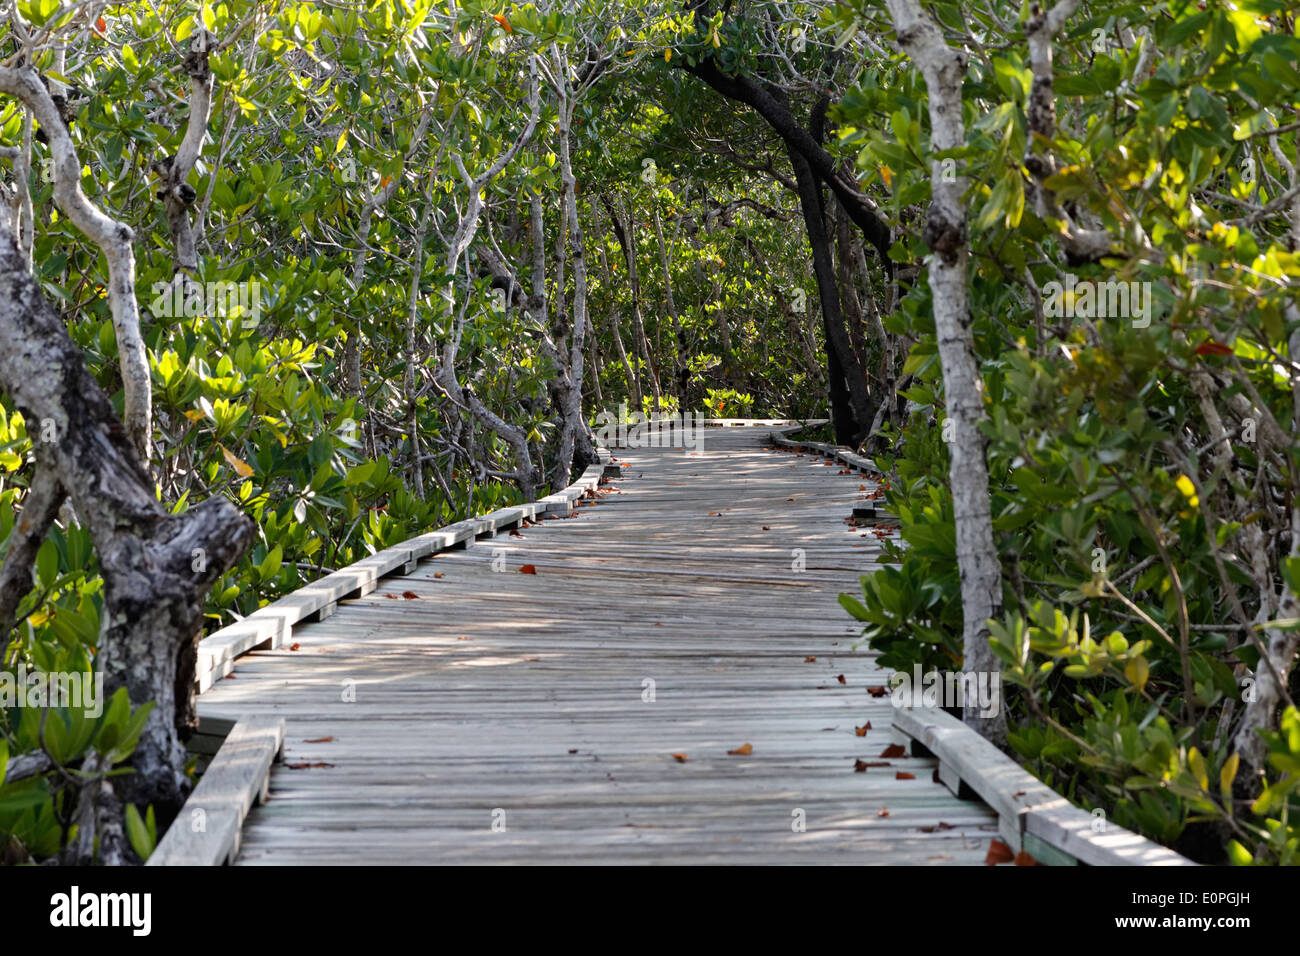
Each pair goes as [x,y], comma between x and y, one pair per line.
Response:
[387,260]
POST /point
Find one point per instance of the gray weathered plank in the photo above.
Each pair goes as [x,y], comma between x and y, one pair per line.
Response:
[411,719]
[206,833]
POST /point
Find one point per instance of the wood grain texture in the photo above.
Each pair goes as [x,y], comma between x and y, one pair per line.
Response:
[472,692]
[207,831]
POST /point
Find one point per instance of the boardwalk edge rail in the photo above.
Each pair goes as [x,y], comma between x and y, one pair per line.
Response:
[1031,815]
[207,830]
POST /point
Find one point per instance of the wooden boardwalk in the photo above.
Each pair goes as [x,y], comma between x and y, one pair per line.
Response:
[468,714]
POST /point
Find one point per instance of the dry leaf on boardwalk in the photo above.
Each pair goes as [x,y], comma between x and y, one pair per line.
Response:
[999,852]
[861,766]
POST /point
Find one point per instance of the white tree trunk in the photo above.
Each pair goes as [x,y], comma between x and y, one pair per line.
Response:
[946,234]
[113,238]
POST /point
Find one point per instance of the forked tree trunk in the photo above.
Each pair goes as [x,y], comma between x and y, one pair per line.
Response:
[157,567]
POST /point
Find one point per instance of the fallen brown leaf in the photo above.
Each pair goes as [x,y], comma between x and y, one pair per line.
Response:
[680,758]
[999,852]
[319,740]
[294,647]
[410,595]
[878,691]
[860,766]
[1024,859]
[883,812]
[895,750]
[810,660]
[308,766]
[744,750]
[840,678]
[903,775]
[528,569]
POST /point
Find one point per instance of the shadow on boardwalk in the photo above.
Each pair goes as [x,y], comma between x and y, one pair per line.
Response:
[465,714]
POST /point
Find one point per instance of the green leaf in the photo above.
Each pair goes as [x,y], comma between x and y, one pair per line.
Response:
[270,566]
[142,841]
[1238,855]
[22,800]
[854,607]
[1196,763]
[47,563]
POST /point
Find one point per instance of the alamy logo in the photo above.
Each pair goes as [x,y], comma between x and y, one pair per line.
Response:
[981,689]
[74,690]
[1100,300]
[220,299]
[626,429]
[132,910]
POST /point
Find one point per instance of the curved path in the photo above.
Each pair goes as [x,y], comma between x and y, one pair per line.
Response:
[473,713]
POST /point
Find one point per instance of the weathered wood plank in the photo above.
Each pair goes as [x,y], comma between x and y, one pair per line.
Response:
[712,572]
[1024,804]
[206,832]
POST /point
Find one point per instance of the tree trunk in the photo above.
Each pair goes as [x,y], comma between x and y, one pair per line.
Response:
[624,229]
[576,447]
[157,567]
[113,238]
[679,378]
[851,411]
[946,234]
[633,381]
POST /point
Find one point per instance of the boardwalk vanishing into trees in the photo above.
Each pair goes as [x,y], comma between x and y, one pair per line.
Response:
[314,322]
[501,716]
